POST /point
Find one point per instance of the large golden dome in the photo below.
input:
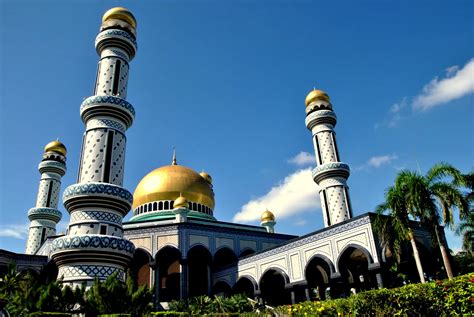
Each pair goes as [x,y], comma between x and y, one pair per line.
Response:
[56,146]
[169,183]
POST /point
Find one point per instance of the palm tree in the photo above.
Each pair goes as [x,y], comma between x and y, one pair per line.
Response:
[446,198]
[400,210]
[466,228]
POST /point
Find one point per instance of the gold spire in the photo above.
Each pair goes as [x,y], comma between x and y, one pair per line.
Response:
[56,146]
[206,176]
[122,14]
[173,162]
[314,95]
[267,215]
[180,202]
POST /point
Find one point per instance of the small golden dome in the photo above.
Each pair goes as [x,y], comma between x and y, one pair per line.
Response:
[170,182]
[181,202]
[56,146]
[314,95]
[267,215]
[122,14]
[206,176]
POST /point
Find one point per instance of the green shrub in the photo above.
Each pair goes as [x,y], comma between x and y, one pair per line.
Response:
[453,297]
[115,315]
[41,314]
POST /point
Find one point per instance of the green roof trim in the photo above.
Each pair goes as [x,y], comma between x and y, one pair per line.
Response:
[169,214]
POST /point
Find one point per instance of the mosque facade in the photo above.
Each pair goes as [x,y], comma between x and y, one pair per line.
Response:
[174,242]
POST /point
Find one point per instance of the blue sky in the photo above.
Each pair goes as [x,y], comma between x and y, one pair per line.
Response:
[225,82]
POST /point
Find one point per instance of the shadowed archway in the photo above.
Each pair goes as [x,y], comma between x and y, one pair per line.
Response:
[272,287]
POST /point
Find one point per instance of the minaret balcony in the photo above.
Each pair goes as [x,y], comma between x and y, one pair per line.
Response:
[44,213]
[320,117]
[52,167]
[95,195]
[92,248]
[116,38]
[330,170]
[107,106]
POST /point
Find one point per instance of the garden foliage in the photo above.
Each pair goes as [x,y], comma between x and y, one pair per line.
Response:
[453,297]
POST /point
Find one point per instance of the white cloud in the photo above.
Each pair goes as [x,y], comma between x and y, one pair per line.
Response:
[457,83]
[295,194]
[397,107]
[301,222]
[14,231]
[395,114]
[378,161]
[302,158]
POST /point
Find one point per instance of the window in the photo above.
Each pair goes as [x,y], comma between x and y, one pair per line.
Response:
[103,229]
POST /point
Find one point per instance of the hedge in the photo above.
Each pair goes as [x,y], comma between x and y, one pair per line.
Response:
[453,297]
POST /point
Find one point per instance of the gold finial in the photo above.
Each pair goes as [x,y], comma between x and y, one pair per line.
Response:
[56,146]
[122,14]
[314,95]
[267,215]
[206,176]
[173,162]
[180,202]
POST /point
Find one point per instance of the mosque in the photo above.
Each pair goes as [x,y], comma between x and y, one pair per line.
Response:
[174,242]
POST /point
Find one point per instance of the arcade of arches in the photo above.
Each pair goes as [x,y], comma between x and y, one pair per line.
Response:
[178,277]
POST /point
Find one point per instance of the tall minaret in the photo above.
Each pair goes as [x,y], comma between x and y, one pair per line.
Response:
[94,246]
[45,216]
[330,174]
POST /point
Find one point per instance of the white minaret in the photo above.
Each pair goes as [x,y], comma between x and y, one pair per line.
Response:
[45,216]
[94,246]
[330,174]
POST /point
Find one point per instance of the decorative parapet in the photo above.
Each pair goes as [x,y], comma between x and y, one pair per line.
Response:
[335,169]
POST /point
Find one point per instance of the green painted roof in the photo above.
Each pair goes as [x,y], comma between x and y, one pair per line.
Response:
[169,214]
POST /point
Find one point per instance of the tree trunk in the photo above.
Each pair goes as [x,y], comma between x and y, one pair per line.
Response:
[417,257]
[444,253]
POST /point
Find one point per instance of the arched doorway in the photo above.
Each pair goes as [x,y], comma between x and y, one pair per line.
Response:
[223,257]
[221,288]
[353,265]
[272,287]
[169,273]
[49,272]
[246,252]
[140,267]
[318,274]
[199,270]
[245,286]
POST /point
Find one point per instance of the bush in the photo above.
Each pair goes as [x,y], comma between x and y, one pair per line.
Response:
[41,314]
[115,315]
[453,297]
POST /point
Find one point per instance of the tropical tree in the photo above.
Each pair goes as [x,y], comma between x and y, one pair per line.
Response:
[447,197]
[466,228]
[400,209]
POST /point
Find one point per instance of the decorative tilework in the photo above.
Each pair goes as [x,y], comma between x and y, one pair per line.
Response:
[331,231]
[48,213]
[95,215]
[84,271]
[98,188]
[93,242]
[112,100]
[105,123]
[116,33]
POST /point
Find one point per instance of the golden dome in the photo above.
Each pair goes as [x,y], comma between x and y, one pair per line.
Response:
[314,95]
[267,215]
[206,176]
[122,14]
[181,202]
[56,146]
[170,182]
